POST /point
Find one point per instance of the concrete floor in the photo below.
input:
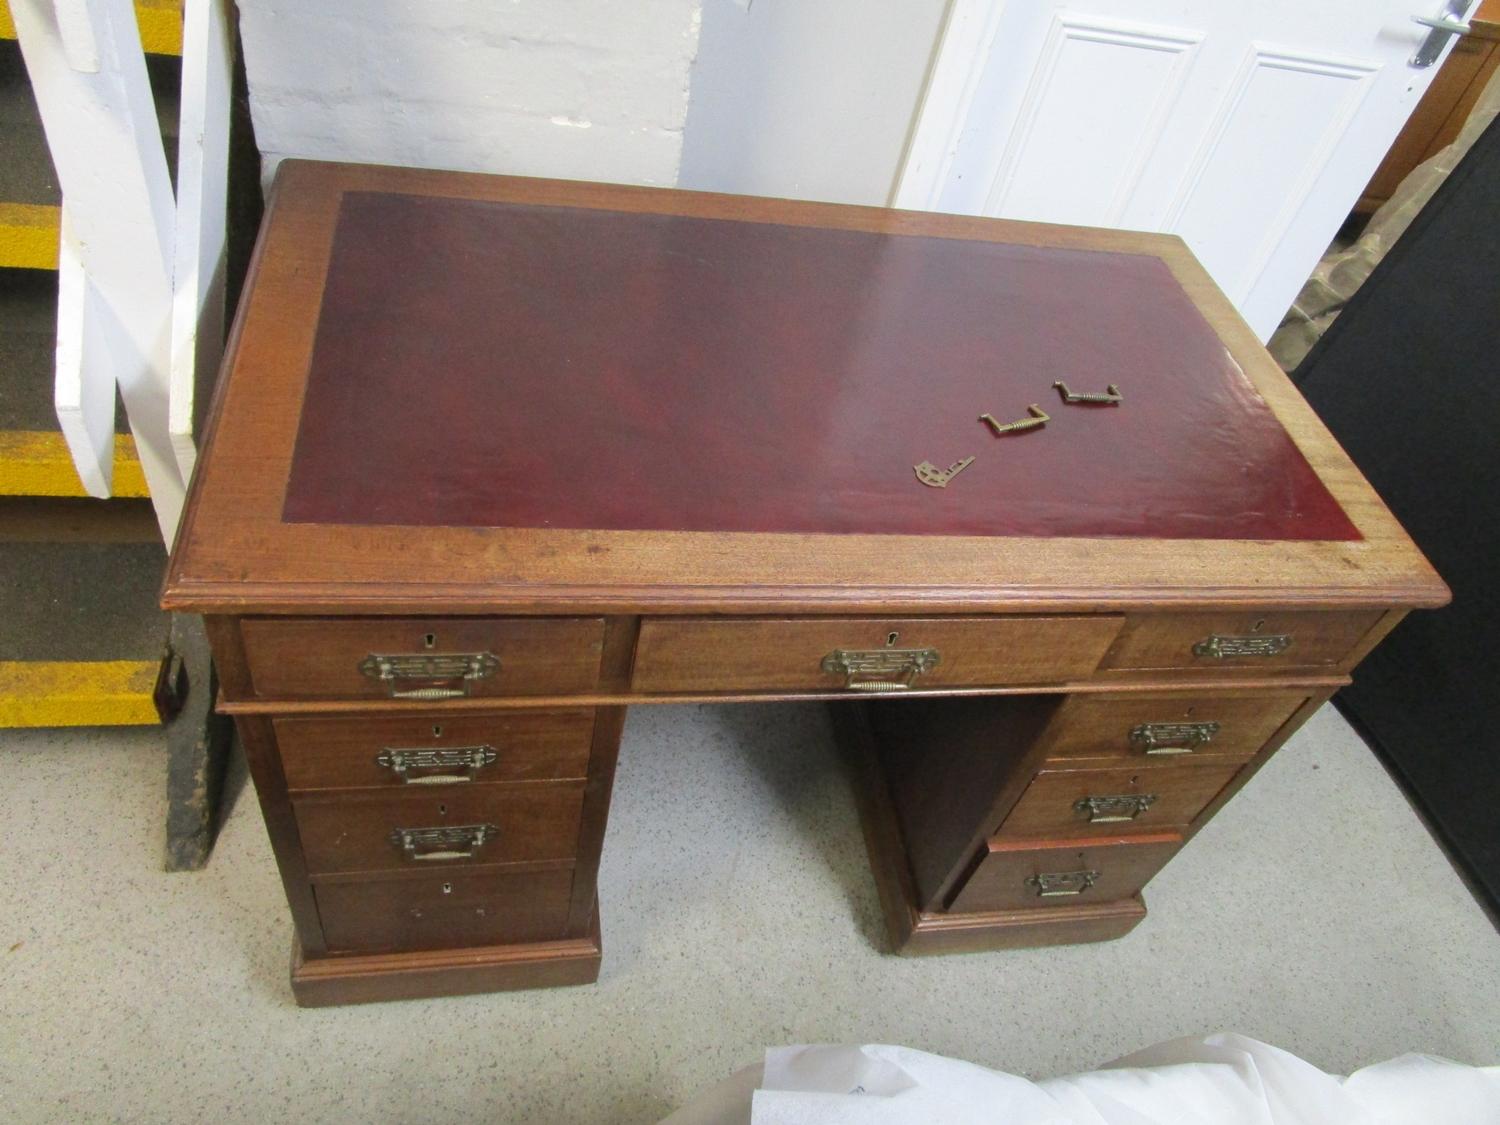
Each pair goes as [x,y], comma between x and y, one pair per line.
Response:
[1314,913]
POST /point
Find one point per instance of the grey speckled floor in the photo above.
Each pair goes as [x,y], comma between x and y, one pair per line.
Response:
[1315,913]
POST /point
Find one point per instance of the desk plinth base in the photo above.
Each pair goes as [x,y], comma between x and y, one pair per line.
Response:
[373,977]
[913,931]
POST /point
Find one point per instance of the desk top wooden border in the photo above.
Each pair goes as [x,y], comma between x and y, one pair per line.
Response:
[234,553]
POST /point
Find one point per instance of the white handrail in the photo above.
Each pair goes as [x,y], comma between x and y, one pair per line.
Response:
[149,306]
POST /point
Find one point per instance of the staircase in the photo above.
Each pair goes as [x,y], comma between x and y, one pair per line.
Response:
[83,639]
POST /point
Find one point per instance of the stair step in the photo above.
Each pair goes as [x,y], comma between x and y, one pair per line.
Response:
[160,22]
[83,636]
[106,693]
[34,458]
[37,463]
[26,174]
[28,235]
[29,193]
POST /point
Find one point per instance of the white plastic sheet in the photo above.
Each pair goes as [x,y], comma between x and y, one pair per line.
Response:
[1223,1079]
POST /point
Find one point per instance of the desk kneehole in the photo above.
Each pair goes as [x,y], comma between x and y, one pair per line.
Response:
[866,654]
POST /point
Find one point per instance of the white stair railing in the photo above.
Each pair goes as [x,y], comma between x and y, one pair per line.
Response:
[141,282]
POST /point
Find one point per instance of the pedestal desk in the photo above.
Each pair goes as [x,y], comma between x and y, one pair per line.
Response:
[493,459]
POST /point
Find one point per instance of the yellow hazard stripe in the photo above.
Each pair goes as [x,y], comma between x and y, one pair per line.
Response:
[28,235]
[160,22]
[63,693]
[37,463]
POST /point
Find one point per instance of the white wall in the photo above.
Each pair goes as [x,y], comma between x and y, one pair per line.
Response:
[582,89]
[808,99]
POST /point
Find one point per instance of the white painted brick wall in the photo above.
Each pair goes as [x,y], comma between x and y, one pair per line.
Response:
[581,89]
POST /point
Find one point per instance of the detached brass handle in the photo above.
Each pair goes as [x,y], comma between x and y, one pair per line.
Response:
[1109,397]
[445,842]
[1060,884]
[392,668]
[1171,738]
[1039,417]
[469,758]
[889,669]
[1114,808]
[1217,646]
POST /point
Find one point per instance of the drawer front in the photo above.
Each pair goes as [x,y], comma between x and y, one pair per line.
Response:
[1271,642]
[1168,728]
[468,827]
[1113,801]
[421,658]
[865,653]
[1013,875]
[401,752]
[443,911]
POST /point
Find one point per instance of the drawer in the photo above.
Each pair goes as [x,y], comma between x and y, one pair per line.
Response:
[442,911]
[423,658]
[468,826]
[1015,874]
[1167,728]
[399,751]
[1265,641]
[1113,801]
[865,653]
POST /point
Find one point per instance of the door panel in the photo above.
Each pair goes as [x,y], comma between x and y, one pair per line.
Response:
[1248,129]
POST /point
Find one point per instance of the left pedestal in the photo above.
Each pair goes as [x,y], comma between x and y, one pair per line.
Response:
[431,842]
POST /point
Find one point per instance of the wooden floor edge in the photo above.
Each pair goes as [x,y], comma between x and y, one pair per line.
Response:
[377,977]
[62,693]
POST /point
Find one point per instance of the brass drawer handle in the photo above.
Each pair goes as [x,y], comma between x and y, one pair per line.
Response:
[885,669]
[1109,397]
[445,842]
[392,668]
[1036,417]
[1219,647]
[1061,884]
[1171,738]
[1114,808]
[471,759]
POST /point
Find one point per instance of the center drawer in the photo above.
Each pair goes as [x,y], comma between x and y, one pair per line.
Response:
[440,750]
[865,654]
[474,826]
[421,658]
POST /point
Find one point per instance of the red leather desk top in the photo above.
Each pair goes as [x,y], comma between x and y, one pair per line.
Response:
[515,365]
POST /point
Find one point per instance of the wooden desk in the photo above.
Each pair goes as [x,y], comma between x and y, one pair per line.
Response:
[495,458]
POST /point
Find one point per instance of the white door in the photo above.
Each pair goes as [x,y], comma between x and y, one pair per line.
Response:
[1249,128]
